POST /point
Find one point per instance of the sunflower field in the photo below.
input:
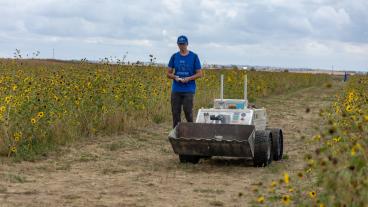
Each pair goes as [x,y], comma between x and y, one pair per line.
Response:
[335,174]
[45,104]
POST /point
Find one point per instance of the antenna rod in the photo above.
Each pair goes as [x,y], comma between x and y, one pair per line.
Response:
[222,87]
[246,90]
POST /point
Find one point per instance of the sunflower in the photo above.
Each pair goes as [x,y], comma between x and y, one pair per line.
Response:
[273,184]
[40,114]
[312,194]
[13,149]
[317,137]
[261,199]
[355,149]
[17,136]
[285,199]
[349,108]
[286,178]
[366,118]
[8,99]
[351,96]
[33,120]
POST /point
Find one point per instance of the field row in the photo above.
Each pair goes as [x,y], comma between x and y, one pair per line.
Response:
[336,170]
[46,104]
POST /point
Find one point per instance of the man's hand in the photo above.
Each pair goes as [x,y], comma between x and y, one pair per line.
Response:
[185,80]
[178,79]
[197,75]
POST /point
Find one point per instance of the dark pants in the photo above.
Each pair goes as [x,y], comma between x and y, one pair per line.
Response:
[179,99]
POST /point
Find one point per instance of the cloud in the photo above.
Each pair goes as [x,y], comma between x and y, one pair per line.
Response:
[331,16]
[301,33]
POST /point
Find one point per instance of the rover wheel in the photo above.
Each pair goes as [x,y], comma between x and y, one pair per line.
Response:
[277,143]
[262,148]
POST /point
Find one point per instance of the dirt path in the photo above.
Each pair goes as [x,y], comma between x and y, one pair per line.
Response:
[141,170]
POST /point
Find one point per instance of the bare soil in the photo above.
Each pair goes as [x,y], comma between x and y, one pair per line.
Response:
[140,168]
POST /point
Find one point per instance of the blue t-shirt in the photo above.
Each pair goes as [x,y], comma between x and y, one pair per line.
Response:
[184,66]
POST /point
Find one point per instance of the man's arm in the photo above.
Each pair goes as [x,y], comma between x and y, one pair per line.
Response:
[170,71]
[197,75]
[170,74]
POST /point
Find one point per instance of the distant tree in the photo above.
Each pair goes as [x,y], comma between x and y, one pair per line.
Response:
[286,70]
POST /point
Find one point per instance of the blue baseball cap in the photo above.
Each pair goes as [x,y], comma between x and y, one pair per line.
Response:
[182,40]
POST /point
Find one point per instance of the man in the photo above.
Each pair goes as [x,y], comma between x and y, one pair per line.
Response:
[184,69]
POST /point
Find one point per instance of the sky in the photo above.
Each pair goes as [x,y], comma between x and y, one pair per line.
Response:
[321,34]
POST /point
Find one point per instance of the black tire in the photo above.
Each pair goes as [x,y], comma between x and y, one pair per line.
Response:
[189,159]
[262,148]
[277,143]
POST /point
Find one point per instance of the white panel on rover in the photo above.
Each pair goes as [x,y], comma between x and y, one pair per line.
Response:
[232,116]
